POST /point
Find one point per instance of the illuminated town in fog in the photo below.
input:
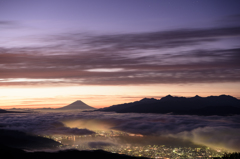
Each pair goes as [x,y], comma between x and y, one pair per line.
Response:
[150,151]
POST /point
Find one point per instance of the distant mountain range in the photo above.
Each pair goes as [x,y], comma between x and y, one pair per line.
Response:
[212,105]
[76,105]
[5,111]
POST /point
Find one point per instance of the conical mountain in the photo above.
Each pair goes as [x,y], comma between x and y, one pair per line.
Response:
[76,105]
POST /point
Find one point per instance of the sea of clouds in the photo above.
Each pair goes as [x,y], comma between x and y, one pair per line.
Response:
[212,131]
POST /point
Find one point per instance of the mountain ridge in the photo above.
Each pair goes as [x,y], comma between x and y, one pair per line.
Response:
[181,105]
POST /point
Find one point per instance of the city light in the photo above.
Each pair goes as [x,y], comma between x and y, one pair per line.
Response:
[150,151]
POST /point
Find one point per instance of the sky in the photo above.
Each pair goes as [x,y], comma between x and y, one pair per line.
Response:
[107,52]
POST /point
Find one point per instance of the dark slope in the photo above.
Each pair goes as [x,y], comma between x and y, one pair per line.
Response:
[13,142]
[13,153]
[19,139]
[212,110]
[3,111]
[212,105]
[76,105]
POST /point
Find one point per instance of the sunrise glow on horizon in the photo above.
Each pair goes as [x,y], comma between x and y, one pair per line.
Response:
[53,53]
[103,96]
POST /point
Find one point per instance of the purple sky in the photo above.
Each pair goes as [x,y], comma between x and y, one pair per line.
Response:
[117,16]
[121,43]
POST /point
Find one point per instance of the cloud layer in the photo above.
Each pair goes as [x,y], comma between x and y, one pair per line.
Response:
[212,131]
[175,56]
[40,124]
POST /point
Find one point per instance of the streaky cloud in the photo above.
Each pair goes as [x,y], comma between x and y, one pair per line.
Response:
[122,59]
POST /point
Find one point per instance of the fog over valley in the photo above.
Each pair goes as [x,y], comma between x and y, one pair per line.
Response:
[210,131]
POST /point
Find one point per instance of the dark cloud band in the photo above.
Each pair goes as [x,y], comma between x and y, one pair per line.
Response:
[140,58]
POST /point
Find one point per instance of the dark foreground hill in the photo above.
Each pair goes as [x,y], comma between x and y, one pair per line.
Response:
[212,105]
[76,105]
[13,153]
[13,142]
[22,140]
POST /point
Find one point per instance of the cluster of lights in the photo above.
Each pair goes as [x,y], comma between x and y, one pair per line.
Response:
[150,151]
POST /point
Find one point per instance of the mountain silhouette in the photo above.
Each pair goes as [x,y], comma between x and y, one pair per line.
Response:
[3,111]
[76,105]
[16,145]
[6,111]
[212,105]
[18,139]
[16,153]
